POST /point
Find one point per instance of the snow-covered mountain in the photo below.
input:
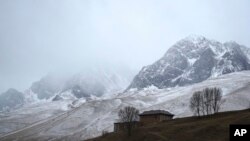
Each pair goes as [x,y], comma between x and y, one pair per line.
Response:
[192,60]
[88,84]
[92,117]
[92,82]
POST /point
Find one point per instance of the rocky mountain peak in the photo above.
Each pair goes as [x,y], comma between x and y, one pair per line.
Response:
[192,60]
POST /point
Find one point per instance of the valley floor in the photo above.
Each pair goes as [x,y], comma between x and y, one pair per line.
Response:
[208,128]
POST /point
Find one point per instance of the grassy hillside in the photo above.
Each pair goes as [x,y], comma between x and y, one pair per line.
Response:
[209,128]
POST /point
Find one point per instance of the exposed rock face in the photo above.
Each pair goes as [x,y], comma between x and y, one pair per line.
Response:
[192,60]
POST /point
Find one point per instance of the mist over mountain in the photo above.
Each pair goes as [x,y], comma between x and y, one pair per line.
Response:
[11,99]
[47,86]
[192,60]
[97,81]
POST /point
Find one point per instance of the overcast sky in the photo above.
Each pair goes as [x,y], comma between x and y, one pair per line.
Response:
[41,36]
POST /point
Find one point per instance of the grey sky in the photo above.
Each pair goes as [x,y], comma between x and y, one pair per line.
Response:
[40,36]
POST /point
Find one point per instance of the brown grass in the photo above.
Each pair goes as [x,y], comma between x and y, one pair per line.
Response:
[209,128]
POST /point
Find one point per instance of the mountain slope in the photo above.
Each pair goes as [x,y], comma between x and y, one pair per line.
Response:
[92,117]
[192,60]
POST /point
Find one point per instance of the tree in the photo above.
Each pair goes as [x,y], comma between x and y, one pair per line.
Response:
[207,101]
[208,98]
[128,116]
[196,103]
[217,96]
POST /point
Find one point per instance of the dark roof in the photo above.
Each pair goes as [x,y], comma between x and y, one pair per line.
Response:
[126,122]
[156,112]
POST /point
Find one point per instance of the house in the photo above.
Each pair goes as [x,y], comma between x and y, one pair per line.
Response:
[147,117]
[153,116]
[121,126]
